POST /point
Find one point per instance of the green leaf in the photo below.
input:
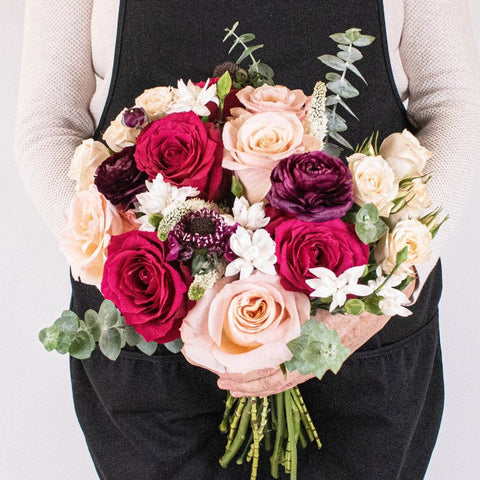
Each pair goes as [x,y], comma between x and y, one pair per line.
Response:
[154,219]
[203,262]
[371,232]
[355,70]
[335,122]
[148,348]
[368,214]
[237,187]
[67,326]
[224,85]
[82,346]
[349,54]
[230,31]
[49,336]
[317,350]
[371,304]
[110,343]
[333,62]
[108,314]
[333,77]
[247,37]
[247,52]
[353,34]
[340,38]
[402,255]
[341,140]
[332,100]
[93,324]
[174,346]
[346,107]
[343,88]
[354,306]
[131,336]
[364,41]
[332,149]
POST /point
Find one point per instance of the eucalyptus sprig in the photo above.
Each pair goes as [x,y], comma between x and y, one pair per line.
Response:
[258,73]
[70,334]
[348,43]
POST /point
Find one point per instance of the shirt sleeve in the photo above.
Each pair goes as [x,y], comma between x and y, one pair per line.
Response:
[57,82]
[439,58]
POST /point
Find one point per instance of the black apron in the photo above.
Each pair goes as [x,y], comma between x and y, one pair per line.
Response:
[152,418]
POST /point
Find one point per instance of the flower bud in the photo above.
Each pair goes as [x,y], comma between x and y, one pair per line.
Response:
[135,117]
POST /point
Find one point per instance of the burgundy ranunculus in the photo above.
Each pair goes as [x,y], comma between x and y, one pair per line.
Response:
[301,246]
[119,179]
[185,151]
[313,186]
[150,292]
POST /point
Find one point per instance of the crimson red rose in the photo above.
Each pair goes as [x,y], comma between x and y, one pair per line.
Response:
[301,246]
[150,292]
[185,151]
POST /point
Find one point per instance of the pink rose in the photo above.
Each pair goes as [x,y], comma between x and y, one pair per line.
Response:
[301,246]
[277,98]
[255,143]
[150,292]
[91,221]
[185,151]
[241,326]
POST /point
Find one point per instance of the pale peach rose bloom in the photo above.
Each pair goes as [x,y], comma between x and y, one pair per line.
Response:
[244,325]
[156,101]
[87,157]
[407,233]
[373,182]
[254,143]
[404,154]
[91,221]
[118,136]
[277,98]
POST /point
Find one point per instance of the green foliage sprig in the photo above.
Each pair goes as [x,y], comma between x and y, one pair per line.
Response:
[348,43]
[258,72]
[70,334]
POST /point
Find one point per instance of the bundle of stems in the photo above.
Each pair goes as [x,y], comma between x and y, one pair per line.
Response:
[278,422]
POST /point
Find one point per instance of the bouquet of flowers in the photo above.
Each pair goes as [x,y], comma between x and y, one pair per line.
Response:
[217,222]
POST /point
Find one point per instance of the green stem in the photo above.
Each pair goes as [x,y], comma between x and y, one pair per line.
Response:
[230,402]
[309,419]
[241,458]
[275,459]
[256,440]
[243,45]
[292,443]
[235,421]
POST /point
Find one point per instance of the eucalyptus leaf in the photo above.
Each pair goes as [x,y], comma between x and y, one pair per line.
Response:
[247,52]
[341,140]
[108,314]
[346,107]
[49,337]
[317,350]
[366,232]
[332,100]
[343,88]
[67,326]
[262,69]
[335,123]
[349,54]
[202,262]
[333,77]
[340,38]
[355,70]
[353,34]
[82,346]
[230,31]
[148,348]
[247,37]
[131,336]
[93,324]
[174,346]
[368,214]
[333,62]
[110,343]
[364,41]
[332,149]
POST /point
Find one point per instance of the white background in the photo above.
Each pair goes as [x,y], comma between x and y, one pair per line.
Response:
[39,435]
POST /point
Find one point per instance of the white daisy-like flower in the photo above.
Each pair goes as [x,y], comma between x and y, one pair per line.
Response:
[251,217]
[394,300]
[161,198]
[327,284]
[255,251]
[193,98]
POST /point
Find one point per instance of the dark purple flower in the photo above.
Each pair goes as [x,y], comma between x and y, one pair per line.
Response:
[204,229]
[119,179]
[135,117]
[313,186]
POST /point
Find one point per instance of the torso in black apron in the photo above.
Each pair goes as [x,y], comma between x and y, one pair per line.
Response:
[156,418]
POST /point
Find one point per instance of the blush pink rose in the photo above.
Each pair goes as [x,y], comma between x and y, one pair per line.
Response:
[301,246]
[91,221]
[273,98]
[244,325]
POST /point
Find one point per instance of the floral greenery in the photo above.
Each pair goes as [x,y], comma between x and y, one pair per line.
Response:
[341,88]
[258,73]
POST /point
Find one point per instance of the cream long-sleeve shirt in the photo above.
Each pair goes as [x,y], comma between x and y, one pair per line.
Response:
[66,71]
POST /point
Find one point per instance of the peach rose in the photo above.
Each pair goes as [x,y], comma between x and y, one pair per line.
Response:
[245,325]
[118,136]
[278,98]
[87,157]
[91,220]
[156,101]
[255,143]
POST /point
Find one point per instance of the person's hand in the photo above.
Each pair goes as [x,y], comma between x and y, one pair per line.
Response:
[354,331]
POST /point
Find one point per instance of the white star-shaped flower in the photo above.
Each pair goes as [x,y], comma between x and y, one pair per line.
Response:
[327,284]
[193,98]
[251,217]
[161,197]
[254,251]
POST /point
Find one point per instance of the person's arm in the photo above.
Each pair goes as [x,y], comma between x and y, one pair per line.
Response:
[439,58]
[56,86]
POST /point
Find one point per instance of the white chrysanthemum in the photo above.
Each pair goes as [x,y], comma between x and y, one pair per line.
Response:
[254,251]
[193,98]
[327,284]
[251,217]
[161,198]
